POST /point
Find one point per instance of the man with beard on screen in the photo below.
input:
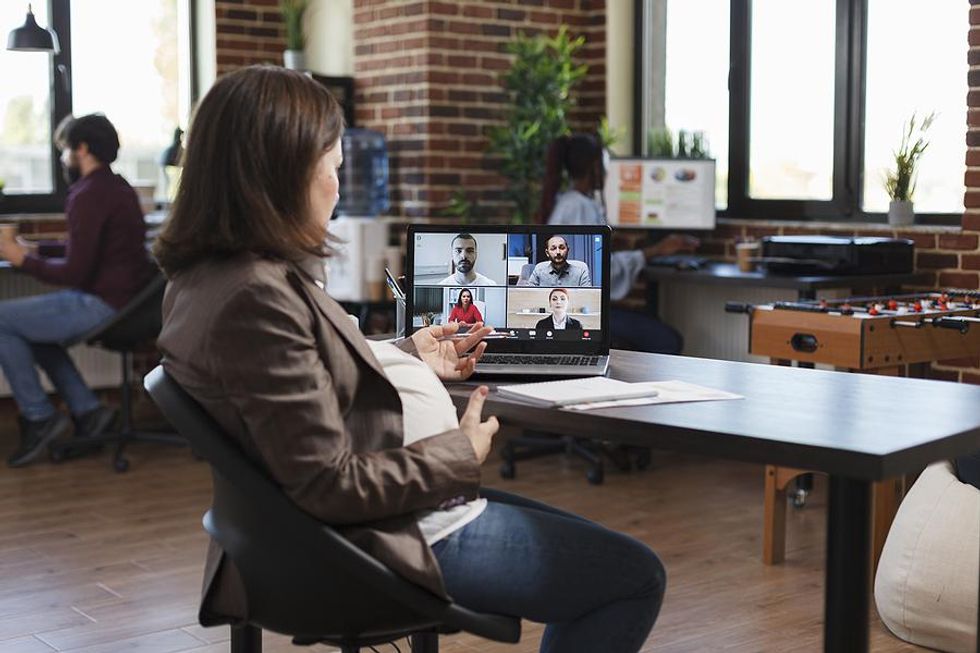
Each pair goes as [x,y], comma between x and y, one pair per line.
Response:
[559,270]
[100,267]
[463,250]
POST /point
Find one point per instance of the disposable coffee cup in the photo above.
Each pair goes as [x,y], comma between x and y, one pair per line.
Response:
[8,231]
[745,255]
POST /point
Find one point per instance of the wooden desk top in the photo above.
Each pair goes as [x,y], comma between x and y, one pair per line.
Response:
[861,426]
[720,273]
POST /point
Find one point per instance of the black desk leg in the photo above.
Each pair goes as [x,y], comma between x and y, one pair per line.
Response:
[848,566]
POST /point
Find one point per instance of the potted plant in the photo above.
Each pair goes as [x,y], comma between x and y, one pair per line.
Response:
[292,12]
[900,182]
[539,84]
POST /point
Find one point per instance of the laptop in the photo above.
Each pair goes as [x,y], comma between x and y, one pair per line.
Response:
[544,290]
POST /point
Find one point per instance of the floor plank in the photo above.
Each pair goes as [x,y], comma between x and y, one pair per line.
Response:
[92,561]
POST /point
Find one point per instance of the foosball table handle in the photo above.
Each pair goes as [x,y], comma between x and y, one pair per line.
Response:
[739,307]
[951,323]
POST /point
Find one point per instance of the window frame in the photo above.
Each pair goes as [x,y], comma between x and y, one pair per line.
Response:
[851,42]
[59,75]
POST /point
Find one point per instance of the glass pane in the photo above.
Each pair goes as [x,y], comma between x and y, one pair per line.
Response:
[25,113]
[791,127]
[133,78]
[696,81]
[917,63]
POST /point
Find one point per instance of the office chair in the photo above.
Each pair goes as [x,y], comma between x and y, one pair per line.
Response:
[135,324]
[301,577]
[532,444]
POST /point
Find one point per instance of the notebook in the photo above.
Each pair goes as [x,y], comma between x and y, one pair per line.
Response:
[544,290]
[569,392]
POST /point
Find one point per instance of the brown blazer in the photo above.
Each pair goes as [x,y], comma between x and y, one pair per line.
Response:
[284,371]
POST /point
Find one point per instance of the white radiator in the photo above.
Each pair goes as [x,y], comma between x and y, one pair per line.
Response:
[698,312]
[100,368]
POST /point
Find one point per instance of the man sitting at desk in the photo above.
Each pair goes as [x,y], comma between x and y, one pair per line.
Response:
[464,251]
[103,266]
[559,270]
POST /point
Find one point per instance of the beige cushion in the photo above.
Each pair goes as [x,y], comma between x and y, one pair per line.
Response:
[926,585]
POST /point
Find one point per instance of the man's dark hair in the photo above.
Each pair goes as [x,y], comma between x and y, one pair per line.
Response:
[251,155]
[94,130]
[563,239]
[464,236]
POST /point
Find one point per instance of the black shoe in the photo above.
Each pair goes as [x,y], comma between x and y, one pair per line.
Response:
[35,436]
[95,422]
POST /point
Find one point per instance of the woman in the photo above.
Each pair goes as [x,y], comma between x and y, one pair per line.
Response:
[465,311]
[558,320]
[579,156]
[310,403]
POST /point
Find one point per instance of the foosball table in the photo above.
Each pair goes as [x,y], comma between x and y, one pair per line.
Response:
[877,335]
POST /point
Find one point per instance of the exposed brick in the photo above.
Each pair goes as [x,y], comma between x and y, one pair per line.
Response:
[970,362]
[942,375]
[970,377]
[967,280]
[958,241]
[930,261]
[971,222]
[922,241]
[970,262]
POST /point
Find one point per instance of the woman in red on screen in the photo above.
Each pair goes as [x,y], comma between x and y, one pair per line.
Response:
[465,311]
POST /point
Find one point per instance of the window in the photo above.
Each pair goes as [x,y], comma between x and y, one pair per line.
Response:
[140,79]
[804,101]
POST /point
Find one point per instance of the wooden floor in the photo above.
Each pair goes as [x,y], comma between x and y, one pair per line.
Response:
[94,561]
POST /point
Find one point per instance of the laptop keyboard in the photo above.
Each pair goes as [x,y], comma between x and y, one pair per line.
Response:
[538,359]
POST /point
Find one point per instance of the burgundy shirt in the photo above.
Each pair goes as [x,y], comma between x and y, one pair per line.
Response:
[105,254]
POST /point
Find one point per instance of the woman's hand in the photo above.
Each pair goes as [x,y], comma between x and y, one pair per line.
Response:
[12,251]
[480,433]
[672,244]
[437,346]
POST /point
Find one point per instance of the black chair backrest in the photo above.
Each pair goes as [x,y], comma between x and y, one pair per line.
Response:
[301,576]
[136,322]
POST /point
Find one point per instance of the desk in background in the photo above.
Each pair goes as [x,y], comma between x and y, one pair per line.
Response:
[825,421]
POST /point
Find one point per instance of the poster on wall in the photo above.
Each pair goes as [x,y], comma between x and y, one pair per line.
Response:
[661,193]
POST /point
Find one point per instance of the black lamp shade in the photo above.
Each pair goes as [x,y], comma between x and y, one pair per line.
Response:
[32,37]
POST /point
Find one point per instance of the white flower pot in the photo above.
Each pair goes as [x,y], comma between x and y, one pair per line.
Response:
[294,59]
[900,213]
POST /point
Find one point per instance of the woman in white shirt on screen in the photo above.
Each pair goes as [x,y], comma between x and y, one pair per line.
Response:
[559,319]
[579,158]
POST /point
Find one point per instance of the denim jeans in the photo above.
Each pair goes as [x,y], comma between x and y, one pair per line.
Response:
[642,332]
[31,329]
[597,590]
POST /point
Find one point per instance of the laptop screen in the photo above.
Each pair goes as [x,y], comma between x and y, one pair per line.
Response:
[544,289]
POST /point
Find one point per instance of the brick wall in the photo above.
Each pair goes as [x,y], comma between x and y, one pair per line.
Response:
[428,77]
[247,32]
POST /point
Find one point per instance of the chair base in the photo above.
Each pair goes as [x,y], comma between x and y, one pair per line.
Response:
[70,449]
[535,445]
[248,639]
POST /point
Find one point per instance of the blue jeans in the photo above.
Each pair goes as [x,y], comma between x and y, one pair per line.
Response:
[597,590]
[642,332]
[31,329]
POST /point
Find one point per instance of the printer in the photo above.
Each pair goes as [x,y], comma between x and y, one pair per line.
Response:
[830,255]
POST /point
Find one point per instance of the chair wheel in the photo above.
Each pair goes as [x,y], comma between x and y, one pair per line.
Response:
[799,498]
[121,464]
[507,470]
[643,458]
[595,475]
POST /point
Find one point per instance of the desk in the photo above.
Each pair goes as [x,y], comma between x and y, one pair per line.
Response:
[826,421]
[728,274]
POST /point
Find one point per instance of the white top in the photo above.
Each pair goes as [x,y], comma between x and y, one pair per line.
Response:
[458,280]
[572,207]
[559,325]
[427,410]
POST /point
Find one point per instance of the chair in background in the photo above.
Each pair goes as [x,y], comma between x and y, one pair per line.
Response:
[301,577]
[132,327]
[532,444]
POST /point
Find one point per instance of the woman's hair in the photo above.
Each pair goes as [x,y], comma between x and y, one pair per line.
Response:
[94,130]
[577,155]
[554,290]
[459,297]
[251,155]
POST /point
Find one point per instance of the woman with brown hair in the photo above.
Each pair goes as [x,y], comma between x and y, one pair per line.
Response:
[250,332]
